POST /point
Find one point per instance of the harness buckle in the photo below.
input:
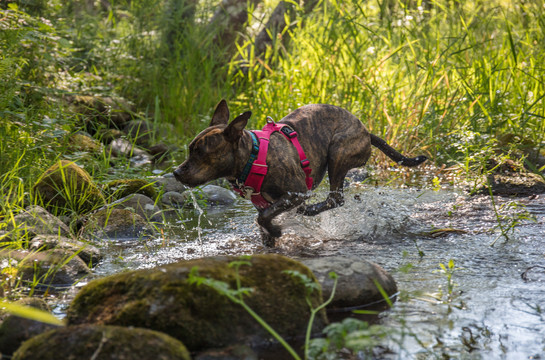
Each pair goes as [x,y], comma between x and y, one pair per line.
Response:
[289,132]
[305,163]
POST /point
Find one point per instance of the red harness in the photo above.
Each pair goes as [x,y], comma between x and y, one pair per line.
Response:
[251,185]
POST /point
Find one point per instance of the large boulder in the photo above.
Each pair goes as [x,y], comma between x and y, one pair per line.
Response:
[66,187]
[14,329]
[86,342]
[357,283]
[163,299]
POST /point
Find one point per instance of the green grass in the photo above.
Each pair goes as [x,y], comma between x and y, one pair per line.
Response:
[443,80]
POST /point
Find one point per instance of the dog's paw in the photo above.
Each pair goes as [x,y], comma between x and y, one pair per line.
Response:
[268,239]
[309,210]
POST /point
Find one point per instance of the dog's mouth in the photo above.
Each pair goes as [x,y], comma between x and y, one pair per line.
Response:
[184,176]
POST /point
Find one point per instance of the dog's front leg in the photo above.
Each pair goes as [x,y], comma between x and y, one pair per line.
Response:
[269,231]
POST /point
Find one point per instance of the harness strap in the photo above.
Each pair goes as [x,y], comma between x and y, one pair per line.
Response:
[248,185]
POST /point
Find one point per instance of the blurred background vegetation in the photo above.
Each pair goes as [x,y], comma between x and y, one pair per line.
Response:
[455,80]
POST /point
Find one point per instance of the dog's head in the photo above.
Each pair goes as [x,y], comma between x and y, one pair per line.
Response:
[212,154]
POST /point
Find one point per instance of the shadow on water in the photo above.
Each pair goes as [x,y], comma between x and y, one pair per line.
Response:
[490,309]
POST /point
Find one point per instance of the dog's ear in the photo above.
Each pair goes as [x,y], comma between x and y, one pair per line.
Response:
[221,115]
[233,131]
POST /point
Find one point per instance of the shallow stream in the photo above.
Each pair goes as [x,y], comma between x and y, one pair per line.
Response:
[495,308]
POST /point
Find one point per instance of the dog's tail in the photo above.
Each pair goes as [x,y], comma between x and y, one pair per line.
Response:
[394,155]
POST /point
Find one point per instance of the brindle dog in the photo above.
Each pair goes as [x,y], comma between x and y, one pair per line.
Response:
[333,139]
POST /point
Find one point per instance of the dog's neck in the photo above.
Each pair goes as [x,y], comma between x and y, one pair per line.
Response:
[243,154]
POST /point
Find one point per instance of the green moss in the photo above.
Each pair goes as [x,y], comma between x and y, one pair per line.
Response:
[162,299]
[80,142]
[112,342]
[118,189]
[66,187]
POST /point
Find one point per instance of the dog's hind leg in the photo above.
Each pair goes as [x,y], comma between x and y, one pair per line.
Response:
[334,199]
[341,158]
[269,231]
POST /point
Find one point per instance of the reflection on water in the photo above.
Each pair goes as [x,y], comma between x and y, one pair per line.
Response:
[492,311]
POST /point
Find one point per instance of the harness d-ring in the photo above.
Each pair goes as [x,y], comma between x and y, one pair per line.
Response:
[270,120]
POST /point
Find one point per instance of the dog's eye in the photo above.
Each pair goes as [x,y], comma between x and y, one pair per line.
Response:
[195,151]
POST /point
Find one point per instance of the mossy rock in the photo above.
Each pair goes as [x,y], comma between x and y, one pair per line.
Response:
[14,329]
[86,342]
[162,299]
[124,187]
[115,224]
[56,268]
[82,142]
[66,187]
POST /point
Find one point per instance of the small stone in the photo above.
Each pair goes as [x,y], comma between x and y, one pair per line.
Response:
[174,199]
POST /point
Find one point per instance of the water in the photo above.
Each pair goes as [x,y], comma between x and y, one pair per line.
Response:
[491,312]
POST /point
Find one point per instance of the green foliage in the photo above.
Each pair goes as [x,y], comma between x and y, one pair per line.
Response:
[448,271]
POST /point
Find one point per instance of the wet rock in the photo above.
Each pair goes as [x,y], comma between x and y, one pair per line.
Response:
[83,142]
[35,220]
[115,224]
[357,175]
[124,148]
[174,199]
[140,204]
[169,183]
[58,268]
[86,342]
[14,329]
[118,189]
[356,280]
[211,194]
[139,130]
[67,187]
[162,299]
[86,252]
[514,184]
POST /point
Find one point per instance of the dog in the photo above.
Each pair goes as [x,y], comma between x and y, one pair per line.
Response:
[332,139]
